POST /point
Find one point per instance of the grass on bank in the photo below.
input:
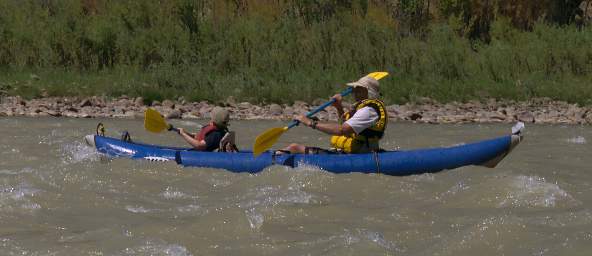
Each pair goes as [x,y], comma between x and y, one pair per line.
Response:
[164,50]
[550,62]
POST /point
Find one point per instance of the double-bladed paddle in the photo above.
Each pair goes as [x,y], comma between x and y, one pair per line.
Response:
[265,140]
[154,122]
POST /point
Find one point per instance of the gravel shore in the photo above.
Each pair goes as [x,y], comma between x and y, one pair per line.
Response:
[540,110]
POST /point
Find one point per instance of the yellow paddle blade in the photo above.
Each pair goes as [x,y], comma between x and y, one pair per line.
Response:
[267,139]
[378,75]
[153,121]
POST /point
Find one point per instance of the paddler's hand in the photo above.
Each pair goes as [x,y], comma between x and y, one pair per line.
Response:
[182,131]
[337,103]
[303,120]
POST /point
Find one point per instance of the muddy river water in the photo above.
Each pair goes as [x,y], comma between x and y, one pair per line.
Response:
[60,197]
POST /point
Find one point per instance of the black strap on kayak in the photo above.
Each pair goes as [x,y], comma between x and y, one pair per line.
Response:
[125,136]
[178,157]
[377,161]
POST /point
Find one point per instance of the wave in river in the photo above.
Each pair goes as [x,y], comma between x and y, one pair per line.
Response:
[507,191]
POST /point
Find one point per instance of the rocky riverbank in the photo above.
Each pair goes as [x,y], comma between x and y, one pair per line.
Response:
[541,110]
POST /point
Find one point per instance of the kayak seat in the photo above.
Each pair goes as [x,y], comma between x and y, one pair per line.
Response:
[227,143]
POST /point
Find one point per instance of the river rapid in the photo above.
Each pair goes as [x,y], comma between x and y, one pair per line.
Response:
[60,197]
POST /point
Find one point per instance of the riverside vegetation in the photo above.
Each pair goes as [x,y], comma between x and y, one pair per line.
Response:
[286,50]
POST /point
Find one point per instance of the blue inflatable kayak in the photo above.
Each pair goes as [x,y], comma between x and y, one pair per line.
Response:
[485,153]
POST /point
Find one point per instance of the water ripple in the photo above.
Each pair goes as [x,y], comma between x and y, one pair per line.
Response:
[351,238]
[16,172]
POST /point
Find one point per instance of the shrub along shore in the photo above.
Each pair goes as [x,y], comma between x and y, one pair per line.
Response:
[280,52]
[425,110]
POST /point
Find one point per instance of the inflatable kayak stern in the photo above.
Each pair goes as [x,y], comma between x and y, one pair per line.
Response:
[90,140]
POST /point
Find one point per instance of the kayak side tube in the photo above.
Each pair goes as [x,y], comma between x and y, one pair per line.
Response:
[485,153]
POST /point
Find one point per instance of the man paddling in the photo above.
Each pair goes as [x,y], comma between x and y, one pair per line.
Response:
[210,136]
[359,130]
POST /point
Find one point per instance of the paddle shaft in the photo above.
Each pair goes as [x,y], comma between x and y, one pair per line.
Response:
[321,107]
[171,128]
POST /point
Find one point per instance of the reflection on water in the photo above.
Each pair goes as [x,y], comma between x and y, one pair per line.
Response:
[60,197]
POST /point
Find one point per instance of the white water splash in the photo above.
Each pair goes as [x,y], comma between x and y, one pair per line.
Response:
[12,151]
[577,140]
[352,239]
[192,208]
[54,137]
[379,239]
[303,167]
[77,152]
[11,247]
[360,235]
[268,197]
[18,198]
[157,248]
[309,177]
[425,177]
[458,188]
[272,196]
[464,237]
[255,218]
[533,191]
[217,182]
[138,209]
[172,193]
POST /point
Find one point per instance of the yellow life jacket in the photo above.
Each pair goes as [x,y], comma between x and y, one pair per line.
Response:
[367,140]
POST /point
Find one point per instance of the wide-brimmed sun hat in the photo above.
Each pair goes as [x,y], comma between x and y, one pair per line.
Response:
[370,84]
